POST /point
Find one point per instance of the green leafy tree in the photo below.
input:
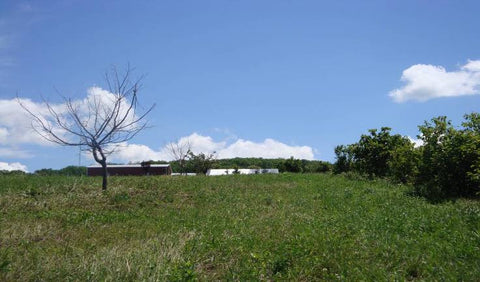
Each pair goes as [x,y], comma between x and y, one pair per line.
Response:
[344,160]
[293,165]
[373,153]
[450,158]
[316,166]
[446,165]
[200,163]
[472,150]
[404,162]
[379,154]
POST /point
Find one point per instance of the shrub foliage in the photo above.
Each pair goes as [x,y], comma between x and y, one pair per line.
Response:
[446,165]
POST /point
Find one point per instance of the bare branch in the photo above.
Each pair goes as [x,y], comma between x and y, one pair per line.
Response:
[179,151]
[98,124]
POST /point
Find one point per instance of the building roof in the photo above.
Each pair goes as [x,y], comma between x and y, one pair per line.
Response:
[133,165]
[228,171]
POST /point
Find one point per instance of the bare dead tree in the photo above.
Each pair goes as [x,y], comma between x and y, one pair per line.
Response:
[99,123]
[180,151]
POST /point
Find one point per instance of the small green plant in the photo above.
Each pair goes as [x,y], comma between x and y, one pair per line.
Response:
[120,198]
[279,265]
[5,261]
[183,272]
[268,201]
[32,192]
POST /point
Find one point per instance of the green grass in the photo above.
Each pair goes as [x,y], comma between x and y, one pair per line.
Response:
[258,227]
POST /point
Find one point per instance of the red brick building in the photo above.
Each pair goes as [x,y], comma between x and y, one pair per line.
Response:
[134,169]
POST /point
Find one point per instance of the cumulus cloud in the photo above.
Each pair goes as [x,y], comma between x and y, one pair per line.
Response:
[203,144]
[16,123]
[269,148]
[13,166]
[416,142]
[425,82]
[125,152]
[99,102]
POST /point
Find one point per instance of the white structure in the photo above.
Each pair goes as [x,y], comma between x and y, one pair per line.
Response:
[229,171]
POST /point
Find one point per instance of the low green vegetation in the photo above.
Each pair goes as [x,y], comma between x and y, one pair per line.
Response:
[257,227]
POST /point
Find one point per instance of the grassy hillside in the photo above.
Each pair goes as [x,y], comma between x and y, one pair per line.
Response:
[258,227]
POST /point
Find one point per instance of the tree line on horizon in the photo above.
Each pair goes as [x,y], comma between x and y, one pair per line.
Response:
[291,164]
[200,164]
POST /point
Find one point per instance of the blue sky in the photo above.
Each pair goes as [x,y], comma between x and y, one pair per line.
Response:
[259,78]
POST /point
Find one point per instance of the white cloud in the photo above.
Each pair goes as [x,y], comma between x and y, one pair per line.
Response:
[104,102]
[16,123]
[203,144]
[269,148]
[136,153]
[13,166]
[416,142]
[425,82]
[473,66]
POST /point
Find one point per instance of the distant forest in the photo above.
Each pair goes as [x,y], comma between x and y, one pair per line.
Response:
[201,166]
[283,165]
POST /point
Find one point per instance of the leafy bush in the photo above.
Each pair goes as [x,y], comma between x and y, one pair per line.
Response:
[316,166]
[293,165]
[200,163]
[344,159]
[446,165]
[450,165]
[379,154]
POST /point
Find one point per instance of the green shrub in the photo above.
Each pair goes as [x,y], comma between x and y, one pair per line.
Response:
[293,165]
[379,154]
[450,159]
[447,165]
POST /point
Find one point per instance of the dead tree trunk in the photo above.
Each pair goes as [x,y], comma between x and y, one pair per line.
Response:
[100,158]
[104,175]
